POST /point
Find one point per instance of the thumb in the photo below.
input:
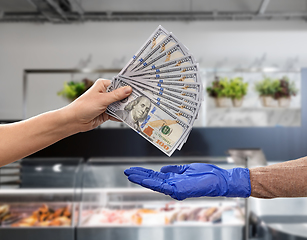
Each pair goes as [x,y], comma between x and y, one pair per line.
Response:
[174,168]
[116,95]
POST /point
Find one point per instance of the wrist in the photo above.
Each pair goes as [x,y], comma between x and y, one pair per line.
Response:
[239,184]
[65,121]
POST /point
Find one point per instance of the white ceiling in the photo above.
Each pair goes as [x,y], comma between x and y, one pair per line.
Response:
[168,5]
[140,10]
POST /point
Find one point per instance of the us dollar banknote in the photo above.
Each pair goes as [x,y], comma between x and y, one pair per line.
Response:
[152,121]
[190,98]
[184,112]
[197,87]
[194,68]
[170,54]
[157,36]
[163,46]
[167,91]
[182,61]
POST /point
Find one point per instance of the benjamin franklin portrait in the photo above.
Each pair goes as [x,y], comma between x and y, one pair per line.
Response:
[135,112]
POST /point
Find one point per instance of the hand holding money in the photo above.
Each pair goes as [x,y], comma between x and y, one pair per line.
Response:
[85,116]
[167,92]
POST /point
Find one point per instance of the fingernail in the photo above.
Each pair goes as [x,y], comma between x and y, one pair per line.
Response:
[127,89]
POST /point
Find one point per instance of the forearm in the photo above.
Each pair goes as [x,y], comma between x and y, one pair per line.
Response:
[23,138]
[287,179]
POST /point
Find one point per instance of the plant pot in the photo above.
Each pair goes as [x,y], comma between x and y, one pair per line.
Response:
[284,102]
[237,102]
[222,102]
[268,101]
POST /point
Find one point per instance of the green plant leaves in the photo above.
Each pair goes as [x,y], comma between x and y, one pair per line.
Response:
[238,89]
[223,87]
[276,88]
[71,90]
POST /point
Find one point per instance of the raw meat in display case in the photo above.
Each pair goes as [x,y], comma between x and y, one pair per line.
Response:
[113,208]
[146,216]
[46,216]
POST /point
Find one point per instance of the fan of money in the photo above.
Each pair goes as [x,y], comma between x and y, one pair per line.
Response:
[167,92]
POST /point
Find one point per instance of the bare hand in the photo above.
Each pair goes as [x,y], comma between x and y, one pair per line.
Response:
[88,111]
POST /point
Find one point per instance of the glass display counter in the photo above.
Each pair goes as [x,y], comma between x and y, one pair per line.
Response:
[72,199]
[44,206]
[114,208]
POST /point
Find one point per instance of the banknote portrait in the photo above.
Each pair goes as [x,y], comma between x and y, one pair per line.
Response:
[135,112]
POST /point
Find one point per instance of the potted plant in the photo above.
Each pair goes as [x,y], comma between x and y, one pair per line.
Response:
[237,90]
[286,90]
[267,89]
[72,90]
[219,90]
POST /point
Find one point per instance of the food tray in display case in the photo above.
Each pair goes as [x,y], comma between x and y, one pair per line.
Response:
[44,206]
[114,208]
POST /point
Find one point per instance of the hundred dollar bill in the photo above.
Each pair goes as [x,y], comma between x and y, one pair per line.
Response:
[172,53]
[176,84]
[195,110]
[181,69]
[180,93]
[187,108]
[188,80]
[182,61]
[164,100]
[183,113]
[111,88]
[185,77]
[161,99]
[155,123]
[180,102]
[158,35]
[168,90]
[163,46]
[171,76]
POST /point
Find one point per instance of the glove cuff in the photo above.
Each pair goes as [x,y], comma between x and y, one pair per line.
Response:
[239,184]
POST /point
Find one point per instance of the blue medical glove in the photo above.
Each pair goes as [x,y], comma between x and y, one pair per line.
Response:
[193,180]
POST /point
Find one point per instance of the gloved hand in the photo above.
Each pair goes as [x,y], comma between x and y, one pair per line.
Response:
[193,180]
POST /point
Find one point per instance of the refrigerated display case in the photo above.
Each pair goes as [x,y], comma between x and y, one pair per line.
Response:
[113,208]
[278,219]
[44,206]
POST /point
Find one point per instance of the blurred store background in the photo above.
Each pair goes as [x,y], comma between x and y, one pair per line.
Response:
[76,187]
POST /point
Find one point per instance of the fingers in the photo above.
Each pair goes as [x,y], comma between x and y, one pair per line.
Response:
[138,169]
[146,173]
[101,86]
[174,168]
[157,185]
[156,181]
[135,178]
[116,95]
[135,171]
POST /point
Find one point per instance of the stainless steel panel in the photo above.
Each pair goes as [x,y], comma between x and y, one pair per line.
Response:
[283,218]
[161,233]
[38,195]
[52,233]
